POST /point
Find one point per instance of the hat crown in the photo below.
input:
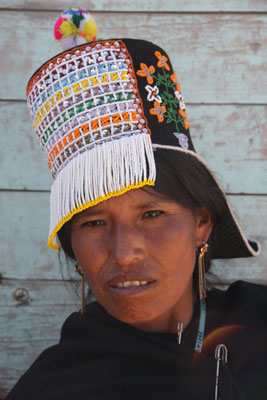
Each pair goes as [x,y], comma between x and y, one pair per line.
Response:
[102,90]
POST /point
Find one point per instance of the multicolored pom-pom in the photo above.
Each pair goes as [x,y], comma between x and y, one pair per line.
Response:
[74,27]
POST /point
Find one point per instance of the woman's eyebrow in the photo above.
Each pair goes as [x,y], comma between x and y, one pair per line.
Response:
[150,204]
[90,213]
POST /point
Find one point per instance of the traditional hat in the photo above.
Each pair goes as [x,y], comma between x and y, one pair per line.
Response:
[99,110]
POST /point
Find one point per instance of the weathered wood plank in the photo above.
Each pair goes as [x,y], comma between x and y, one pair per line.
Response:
[25,333]
[142,5]
[22,162]
[24,229]
[33,323]
[23,237]
[231,139]
[219,58]
[41,293]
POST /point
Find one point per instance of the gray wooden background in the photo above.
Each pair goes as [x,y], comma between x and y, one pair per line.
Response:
[219,52]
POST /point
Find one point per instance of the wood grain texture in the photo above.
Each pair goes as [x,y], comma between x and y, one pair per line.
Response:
[41,292]
[219,58]
[25,333]
[141,5]
[24,229]
[232,141]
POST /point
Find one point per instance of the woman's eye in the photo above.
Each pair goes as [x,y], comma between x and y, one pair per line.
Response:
[152,214]
[95,223]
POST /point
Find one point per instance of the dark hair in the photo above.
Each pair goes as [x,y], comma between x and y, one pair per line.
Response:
[185,179]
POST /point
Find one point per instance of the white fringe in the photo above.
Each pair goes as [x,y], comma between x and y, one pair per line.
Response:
[108,167]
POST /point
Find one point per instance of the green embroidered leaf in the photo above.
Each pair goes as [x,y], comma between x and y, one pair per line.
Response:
[164,99]
[161,79]
[170,117]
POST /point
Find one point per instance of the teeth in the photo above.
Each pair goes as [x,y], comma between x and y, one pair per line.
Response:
[135,283]
[131,283]
[143,283]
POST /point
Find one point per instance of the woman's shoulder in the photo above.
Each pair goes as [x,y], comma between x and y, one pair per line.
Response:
[249,297]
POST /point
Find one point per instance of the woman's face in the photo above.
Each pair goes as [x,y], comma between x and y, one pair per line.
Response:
[138,253]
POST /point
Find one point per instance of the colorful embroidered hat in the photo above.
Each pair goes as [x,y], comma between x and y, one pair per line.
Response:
[99,110]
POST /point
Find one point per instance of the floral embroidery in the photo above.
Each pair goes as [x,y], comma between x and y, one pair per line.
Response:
[174,79]
[146,72]
[169,105]
[185,119]
[182,139]
[162,61]
[181,100]
[158,111]
[153,93]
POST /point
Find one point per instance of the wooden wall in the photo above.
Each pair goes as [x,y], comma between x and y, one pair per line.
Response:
[219,52]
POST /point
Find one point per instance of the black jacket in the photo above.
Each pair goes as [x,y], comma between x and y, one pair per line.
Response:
[99,357]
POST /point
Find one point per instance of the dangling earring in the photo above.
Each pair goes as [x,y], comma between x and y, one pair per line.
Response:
[80,272]
[201,271]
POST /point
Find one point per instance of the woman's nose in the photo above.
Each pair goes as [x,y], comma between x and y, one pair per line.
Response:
[127,245]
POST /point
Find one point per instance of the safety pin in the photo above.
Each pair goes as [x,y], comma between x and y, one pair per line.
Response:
[180,329]
[220,355]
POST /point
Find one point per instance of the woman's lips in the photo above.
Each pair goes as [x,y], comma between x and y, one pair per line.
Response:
[130,286]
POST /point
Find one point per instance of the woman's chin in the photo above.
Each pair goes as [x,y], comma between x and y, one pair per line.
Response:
[133,313]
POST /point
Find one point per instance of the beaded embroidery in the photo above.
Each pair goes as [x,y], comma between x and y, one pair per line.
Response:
[83,97]
[166,93]
[153,93]
[182,139]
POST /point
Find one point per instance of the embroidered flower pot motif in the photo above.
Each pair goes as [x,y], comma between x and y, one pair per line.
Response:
[182,139]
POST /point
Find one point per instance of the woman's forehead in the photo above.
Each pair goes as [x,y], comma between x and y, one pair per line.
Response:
[142,198]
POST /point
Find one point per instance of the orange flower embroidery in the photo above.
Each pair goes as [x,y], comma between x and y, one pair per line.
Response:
[158,110]
[185,119]
[176,82]
[147,72]
[162,61]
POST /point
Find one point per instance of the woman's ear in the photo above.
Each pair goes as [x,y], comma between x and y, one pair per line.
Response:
[204,226]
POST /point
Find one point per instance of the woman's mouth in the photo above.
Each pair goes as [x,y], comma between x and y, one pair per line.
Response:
[130,287]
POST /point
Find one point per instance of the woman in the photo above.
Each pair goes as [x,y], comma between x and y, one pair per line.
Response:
[141,216]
